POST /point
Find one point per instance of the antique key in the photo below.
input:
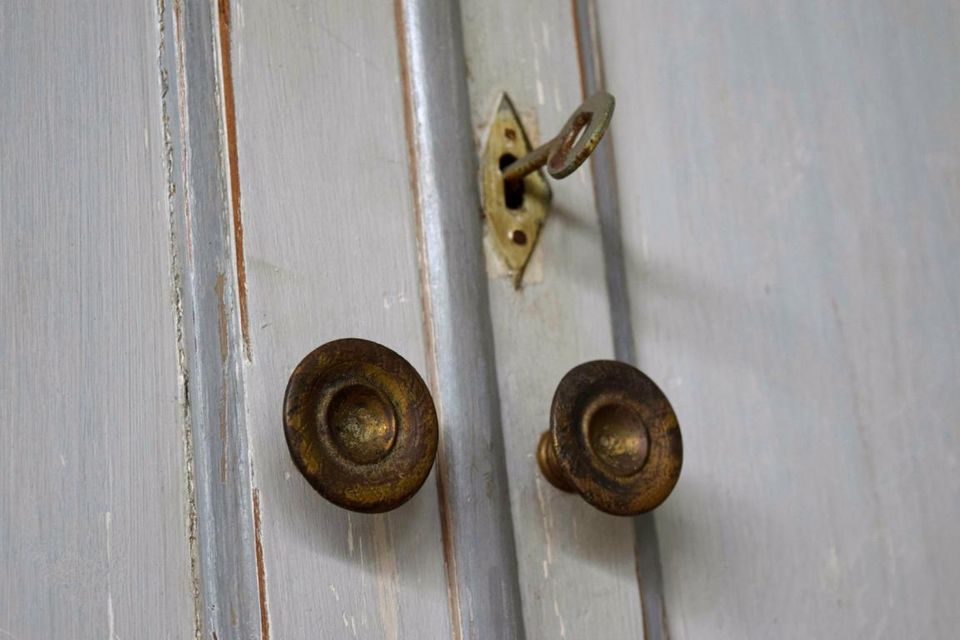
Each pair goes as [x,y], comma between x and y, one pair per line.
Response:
[516,196]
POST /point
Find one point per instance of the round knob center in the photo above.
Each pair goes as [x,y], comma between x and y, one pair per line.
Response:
[362,423]
[619,438]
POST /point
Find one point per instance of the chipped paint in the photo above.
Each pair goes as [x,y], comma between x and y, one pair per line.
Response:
[111,623]
[387,578]
[350,535]
[261,571]
[233,167]
[563,626]
[176,287]
[547,518]
[224,353]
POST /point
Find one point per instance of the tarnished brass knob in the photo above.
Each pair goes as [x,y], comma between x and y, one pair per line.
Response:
[613,438]
[360,425]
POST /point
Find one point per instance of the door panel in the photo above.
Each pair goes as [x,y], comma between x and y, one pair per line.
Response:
[94,534]
[329,246]
[788,187]
[194,196]
[576,565]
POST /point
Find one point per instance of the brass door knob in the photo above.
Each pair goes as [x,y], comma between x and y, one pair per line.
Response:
[613,438]
[360,425]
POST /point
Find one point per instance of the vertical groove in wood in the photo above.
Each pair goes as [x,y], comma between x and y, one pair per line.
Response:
[261,570]
[233,165]
[606,195]
[167,60]
[575,564]
[211,331]
[605,183]
[477,513]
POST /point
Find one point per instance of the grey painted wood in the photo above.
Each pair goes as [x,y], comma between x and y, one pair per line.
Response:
[93,498]
[576,565]
[607,195]
[605,189]
[788,183]
[212,340]
[330,251]
[482,566]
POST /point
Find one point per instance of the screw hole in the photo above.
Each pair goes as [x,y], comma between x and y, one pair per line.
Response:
[510,134]
[518,237]
[512,191]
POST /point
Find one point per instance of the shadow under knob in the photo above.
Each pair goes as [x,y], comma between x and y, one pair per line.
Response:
[360,425]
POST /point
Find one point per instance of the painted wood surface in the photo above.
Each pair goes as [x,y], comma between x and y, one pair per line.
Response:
[485,596]
[94,538]
[787,179]
[576,565]
[789,193]
[329,246]
[607,197]
[195,120]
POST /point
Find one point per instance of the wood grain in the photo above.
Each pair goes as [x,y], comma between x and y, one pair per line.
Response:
[93,501]
[330,246]
[788,183]
[576,564]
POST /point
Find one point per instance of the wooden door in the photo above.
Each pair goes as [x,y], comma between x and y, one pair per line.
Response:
[195,194]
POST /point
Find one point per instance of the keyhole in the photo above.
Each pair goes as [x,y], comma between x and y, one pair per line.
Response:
[512,191]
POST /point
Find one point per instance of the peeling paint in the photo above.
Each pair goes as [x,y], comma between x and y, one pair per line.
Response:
[387,578]
[233,168]
[556,610]
[176,286]
[547,519]
[261,571]
[349,535]
[224,354]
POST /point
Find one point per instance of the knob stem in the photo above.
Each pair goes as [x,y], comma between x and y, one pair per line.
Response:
[549,466]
